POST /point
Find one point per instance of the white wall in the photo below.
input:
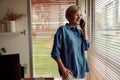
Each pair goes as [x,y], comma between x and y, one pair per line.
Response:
[81,3]
[16,43]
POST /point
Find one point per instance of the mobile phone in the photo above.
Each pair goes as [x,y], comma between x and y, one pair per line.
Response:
[82,22]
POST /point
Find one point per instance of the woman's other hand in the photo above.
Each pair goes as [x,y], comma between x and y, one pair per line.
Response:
[66,72]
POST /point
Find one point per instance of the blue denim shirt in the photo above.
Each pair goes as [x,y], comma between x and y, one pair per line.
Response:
[69,46]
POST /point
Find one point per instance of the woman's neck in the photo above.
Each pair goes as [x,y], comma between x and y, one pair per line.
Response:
[73,25]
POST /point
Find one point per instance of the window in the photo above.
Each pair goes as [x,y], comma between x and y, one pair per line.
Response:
[109,15]
[47,16]
[105,54]
[119,11]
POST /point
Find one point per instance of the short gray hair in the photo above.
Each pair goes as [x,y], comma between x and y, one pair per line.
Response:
[71,10]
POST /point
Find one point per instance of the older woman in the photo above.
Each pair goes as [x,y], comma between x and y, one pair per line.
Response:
[70,44]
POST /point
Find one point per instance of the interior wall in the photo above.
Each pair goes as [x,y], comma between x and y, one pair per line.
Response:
[16,43]
[82,4]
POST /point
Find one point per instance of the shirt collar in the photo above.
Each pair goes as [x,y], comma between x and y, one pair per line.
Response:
[69,26]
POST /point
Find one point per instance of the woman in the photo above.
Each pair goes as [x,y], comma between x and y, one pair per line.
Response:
[70,44]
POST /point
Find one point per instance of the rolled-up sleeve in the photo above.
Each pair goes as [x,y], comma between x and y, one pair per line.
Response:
[86,44]
[56,50]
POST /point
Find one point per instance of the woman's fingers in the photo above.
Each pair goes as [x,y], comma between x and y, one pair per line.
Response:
[70,72]
[66,73]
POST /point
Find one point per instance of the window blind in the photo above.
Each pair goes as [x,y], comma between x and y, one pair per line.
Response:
[105,52]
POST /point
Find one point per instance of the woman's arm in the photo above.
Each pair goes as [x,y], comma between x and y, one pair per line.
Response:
[85,34]
[84,28]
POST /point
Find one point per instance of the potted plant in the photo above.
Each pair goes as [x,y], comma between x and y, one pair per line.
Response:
[12,16]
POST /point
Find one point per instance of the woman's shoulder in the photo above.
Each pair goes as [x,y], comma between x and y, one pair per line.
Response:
[62,27]
[59,30]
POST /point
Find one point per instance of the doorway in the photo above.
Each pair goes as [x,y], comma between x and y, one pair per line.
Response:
[46,17]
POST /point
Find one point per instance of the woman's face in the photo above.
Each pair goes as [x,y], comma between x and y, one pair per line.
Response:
[75,19]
